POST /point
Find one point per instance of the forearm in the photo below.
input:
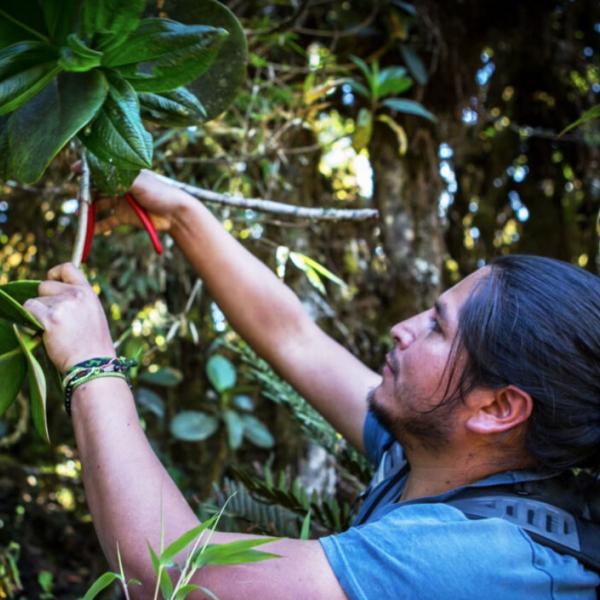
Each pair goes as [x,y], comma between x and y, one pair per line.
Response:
[260,307]
[127,488]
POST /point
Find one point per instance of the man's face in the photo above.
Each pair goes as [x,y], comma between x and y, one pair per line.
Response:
[416,377]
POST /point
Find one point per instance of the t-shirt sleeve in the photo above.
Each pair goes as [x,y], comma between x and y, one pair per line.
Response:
[436,552]
[376,438]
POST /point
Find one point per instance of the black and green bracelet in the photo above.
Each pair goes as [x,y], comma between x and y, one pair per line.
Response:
[95,368]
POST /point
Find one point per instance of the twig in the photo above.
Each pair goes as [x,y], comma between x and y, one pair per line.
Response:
[85,201]
[270,206]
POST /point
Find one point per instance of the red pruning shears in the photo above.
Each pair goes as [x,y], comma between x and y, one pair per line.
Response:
[139,210]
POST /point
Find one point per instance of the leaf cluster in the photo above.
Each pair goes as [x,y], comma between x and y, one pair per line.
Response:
[95,70]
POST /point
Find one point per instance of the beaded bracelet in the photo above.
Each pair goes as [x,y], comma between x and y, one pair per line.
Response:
[95,368]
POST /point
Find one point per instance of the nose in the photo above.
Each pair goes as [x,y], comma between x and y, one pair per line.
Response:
[402,335]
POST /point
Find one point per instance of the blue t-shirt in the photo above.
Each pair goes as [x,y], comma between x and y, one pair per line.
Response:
[418,550]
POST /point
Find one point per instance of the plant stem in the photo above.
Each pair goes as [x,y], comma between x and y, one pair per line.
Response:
[85,201]
[25,27]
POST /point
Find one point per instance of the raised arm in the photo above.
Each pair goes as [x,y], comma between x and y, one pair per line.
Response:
[263,310]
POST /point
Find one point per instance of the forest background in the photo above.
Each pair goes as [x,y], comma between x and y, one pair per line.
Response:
[443,116]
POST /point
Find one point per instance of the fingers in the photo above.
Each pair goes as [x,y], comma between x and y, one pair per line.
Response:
[53,288]
[40,309]
[68,273]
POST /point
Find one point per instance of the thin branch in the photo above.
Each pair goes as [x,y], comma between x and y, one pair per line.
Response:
[285,23]
[270,206]
[85,201]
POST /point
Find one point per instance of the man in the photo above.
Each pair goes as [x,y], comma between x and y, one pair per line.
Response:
[498,382]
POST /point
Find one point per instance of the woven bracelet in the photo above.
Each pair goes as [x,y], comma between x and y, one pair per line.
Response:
[94,368]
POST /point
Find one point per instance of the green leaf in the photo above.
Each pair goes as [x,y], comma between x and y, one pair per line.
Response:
[37,385]
[13,366]
[22,290]
[392,80]
[193,426]
[40,128]
[117,133]
[305,531]
[113,18]
[409,107]
[184,540]
[150,401]
[185,590]
[166,585]
[363,130]
[257,432]
[586,117]
[164,377]
[59,16]
[234,553]
[296,258]
[364,69]
[359,88]
[169,54]
[108,178]
[11,310]
[172,109]
[25,69]
[77,57]
[218,87]
[243,402]
[235,428]
[221,372]
[100,584]
[414,64]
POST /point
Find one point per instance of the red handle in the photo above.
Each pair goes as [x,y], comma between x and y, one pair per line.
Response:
[89,233]
[144,217]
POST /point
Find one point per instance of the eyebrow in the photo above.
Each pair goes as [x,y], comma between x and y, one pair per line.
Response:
[441,308]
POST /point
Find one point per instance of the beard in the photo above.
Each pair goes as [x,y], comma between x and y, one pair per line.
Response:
[430,430]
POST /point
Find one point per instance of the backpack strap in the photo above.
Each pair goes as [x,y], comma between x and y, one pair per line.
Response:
[551,512]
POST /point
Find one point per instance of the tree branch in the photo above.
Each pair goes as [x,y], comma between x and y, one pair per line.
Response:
[270,206]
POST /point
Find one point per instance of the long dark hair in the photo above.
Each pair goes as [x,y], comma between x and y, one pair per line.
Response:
[534,323]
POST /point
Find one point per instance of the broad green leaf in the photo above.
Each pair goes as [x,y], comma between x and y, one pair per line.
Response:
[113,19]
[150,401]
[586,117]
[409,107]
[243,402]
[109,178]
[414,64]
[392,80]
[221,372]
[40,128]
[13,366]
[256,432]
[193,426]
[22,290]
[183,541]
[172,109]
[77,57]
[364,69]
[100,584]
[37,386]
[60,16]
[169,54]
[218,87]
[165,377]
[235,428]
[234,553]
[363,130]
[185,590]
[117,133]
[25,69]
[11,310]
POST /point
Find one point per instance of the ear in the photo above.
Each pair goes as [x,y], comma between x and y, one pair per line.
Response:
[501,410]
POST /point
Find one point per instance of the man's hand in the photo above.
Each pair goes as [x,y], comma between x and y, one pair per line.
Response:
[75,325]
[164,202]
